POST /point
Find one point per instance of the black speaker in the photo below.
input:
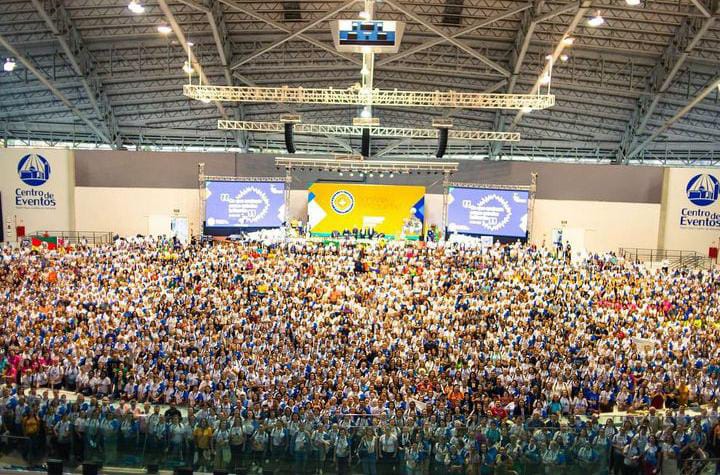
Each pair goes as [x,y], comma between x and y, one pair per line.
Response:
[442,142]
[366,142]
[89,468]
[54,467]
[289,144]
[183,471]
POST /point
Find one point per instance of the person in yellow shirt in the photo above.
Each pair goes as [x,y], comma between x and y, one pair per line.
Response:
[203,436]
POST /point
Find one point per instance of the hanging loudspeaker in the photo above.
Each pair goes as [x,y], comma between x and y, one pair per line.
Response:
[366,142]
[442,142]
[289,144]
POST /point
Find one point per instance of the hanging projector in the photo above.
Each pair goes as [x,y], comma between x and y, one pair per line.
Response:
[367,36]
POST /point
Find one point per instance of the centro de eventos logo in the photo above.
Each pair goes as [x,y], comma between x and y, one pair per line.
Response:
[703,190]
[342,202]
[33,169]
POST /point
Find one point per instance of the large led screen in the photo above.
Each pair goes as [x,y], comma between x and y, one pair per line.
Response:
[488,212]
[239,204]
[395,211]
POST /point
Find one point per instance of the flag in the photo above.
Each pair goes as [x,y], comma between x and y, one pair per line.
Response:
[50,241]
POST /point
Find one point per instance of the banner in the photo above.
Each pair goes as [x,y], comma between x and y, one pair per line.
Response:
[37,188]
[488,212]
[395,211]
[241,204]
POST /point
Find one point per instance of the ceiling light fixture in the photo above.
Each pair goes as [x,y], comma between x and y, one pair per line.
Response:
[9,65]
[135,7]
[564,57]
[548,57]
[205,100]
[164,29]
[633,3]
[526,110]
[365,15]
[545,79]
[568,41]
[187,67]
[596,21]
[366,113]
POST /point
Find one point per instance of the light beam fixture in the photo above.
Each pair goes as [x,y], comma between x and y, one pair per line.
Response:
[164,29]
[9,65]
[135,7]
[596,20]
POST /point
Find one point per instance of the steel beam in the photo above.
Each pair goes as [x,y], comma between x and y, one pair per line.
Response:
[329,48]
[180,35]
[295,34]
[459,44]
[520,48]
[679,115]
[687,37]
[43,79]
[58,20]
[429,44]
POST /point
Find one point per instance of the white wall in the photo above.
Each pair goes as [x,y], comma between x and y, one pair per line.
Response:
[128,211]
[40,206]
[603,226]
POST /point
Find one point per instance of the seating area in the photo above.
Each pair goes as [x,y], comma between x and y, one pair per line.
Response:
[344,357]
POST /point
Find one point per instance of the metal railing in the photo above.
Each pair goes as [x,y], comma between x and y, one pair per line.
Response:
[676,259]
[76,237]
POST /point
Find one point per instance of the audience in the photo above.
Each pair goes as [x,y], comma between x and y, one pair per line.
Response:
[416,358]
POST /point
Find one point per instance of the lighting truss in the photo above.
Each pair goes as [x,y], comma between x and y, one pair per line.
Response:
[377,166]
[345,130]
[377,97]
[254,179]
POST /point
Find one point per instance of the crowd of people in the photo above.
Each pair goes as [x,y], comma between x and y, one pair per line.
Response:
[423,358]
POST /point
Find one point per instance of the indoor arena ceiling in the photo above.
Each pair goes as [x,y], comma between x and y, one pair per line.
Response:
[641,87]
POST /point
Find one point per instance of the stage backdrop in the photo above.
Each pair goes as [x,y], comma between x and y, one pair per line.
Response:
[396,211]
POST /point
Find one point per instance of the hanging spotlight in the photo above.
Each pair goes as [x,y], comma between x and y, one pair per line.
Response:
[135,7]
[370,175]
[352,174]
[596,21]
[9,65]
[392,175]
[187,67]
[364,15]
[568,41]
[548,57]
[632,3]
[526,110]
[205,100]
[341,173]
[364,71]
[164,29]
[366,113]
[190,44]
[545,79]
[382,175]
[564,57]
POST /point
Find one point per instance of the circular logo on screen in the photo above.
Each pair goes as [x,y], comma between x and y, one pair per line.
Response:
[494,212]
[33,169]
[342,202]
[703,190]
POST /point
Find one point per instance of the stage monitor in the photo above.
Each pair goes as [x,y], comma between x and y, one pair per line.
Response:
[397,212]
[488,212]
[240,204]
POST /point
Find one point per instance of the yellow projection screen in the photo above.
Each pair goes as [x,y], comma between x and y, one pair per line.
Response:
[396,211]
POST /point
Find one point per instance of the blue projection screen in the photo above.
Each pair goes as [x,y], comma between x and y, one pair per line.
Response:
[488,212]
[239,204]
